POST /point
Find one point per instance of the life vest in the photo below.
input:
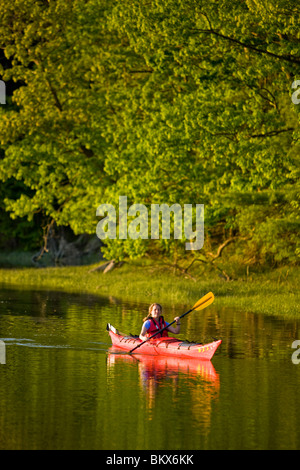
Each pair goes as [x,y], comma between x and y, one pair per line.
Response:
[155,326]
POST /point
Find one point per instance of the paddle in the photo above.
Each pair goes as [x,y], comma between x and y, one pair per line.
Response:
[202,303]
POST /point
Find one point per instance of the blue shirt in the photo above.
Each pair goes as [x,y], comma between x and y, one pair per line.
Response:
[147,324]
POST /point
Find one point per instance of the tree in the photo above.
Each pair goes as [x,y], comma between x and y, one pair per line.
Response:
[173,102]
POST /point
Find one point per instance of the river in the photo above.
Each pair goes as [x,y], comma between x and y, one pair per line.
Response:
[61,388]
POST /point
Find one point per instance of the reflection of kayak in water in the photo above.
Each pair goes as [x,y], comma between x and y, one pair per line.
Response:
[177,375]
[166,366]
[163,346]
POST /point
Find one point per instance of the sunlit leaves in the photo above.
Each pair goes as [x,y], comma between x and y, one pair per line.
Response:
[173,102]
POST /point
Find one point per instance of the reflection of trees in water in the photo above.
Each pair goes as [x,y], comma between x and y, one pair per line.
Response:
[244,333]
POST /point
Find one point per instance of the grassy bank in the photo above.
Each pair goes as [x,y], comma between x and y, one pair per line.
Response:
[272,293]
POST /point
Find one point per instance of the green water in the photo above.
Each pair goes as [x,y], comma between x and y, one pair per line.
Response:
[60,388]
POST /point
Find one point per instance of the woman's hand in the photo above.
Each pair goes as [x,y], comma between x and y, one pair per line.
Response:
[143,333]
[175,329]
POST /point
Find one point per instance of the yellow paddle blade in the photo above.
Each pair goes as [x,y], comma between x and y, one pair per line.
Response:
[204,301]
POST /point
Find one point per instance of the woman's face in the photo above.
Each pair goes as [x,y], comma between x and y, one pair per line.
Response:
[155,312]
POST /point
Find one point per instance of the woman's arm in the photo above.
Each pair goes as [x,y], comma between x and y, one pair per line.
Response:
[143,333]
[175,329]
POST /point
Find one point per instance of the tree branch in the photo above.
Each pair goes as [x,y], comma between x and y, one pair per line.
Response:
[54,94]
[223,245]
[287,58]
[273,133]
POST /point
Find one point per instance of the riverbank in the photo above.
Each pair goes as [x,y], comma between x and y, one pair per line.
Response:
[271,293]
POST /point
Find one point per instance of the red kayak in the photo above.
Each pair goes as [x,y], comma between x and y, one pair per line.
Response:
[163,346]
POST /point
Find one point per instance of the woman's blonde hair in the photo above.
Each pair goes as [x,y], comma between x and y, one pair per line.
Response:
[150,311]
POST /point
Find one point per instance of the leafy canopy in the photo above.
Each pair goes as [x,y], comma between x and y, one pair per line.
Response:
[165,102]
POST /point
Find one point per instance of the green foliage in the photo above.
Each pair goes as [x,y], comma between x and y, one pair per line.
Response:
[165,102]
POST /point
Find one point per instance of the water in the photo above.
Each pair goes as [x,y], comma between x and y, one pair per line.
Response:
[61,388]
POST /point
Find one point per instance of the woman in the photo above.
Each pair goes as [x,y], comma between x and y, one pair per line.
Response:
[155,321]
